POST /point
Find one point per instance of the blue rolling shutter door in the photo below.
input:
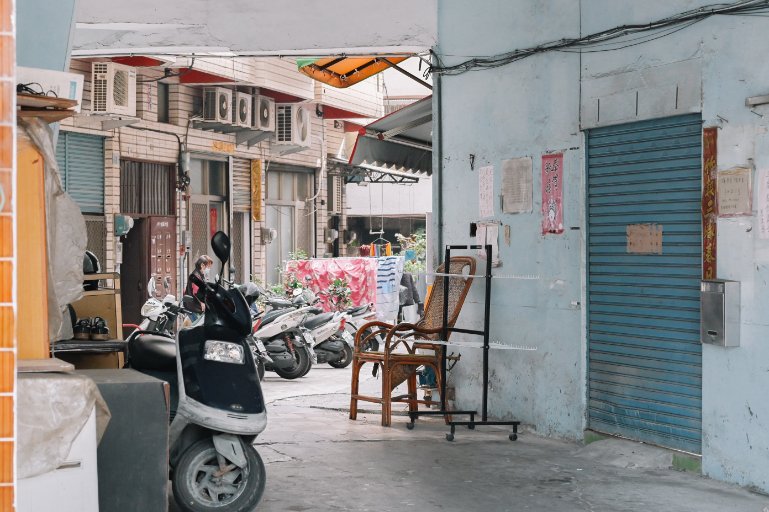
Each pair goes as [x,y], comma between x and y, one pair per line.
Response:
[81,162]
[644,369]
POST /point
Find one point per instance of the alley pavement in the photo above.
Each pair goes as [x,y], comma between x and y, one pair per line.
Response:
[318,460]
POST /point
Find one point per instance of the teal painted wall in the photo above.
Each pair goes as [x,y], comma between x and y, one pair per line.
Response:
[44,33]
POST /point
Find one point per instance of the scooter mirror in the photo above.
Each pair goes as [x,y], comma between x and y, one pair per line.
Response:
[151,287]
[220,243]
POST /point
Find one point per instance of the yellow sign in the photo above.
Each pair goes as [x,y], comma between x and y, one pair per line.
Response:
[256,190]
[224,147]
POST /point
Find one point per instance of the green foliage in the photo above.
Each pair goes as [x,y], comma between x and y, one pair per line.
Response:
[418,243]
[339,294]
[299,254]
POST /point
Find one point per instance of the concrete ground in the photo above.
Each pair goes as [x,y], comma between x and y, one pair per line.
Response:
[318,460]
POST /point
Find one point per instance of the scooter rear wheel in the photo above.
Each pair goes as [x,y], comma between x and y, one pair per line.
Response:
[197,488]
[300,369]
[346,359]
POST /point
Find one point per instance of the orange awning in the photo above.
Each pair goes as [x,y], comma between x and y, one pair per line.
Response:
[343,72]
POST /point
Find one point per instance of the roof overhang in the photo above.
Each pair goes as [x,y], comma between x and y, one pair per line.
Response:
[228,27]
[400,140]
[368,173]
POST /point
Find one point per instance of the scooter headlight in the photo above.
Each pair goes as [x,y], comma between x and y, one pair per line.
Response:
[224,352]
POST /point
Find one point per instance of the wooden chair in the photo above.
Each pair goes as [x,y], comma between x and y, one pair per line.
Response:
[399,358]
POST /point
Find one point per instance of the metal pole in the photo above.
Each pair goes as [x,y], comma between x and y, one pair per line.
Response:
[445,324]
[486,319]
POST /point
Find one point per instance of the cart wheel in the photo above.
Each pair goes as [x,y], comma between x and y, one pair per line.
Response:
[449,437]
[513,437]
[410,425]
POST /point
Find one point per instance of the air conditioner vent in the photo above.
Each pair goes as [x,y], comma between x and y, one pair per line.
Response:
[114,89]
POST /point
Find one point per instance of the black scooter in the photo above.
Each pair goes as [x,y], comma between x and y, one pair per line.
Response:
[217,407]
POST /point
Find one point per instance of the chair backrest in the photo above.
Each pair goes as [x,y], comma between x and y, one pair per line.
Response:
[458,289]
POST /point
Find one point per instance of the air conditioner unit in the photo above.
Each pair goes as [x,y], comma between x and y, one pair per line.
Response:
[292,131]
[264,113]
[114,89]
[217,105]
[241,113]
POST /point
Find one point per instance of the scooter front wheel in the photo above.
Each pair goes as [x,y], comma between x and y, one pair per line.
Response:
[200,485]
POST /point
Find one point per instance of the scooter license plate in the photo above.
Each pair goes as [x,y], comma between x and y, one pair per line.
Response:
[346,336]
[260,346]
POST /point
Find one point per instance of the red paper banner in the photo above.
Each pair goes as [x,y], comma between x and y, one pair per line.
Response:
[709,213]
[212,225]
[552,193]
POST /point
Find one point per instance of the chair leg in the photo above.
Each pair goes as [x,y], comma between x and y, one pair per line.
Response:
[354,387]
[412,380]
[438,381]
[386,396]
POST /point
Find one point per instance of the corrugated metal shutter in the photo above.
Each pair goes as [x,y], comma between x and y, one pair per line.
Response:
[644,370]
[241,184]
[81,162]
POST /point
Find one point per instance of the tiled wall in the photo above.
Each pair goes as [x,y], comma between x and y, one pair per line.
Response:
[7,224]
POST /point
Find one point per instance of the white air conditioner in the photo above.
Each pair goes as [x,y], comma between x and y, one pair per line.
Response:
[217,105]
[264,113]
[241,113]
[292,131]
[114,89]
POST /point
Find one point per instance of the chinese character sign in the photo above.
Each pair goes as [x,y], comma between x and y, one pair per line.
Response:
[552,193]
[709,223]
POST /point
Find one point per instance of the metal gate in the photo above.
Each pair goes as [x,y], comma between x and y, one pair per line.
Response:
[644,268]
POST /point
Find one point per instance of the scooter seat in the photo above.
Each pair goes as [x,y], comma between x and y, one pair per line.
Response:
[357,310]
[152,352]
[319,320]
[279,303]
[271,315]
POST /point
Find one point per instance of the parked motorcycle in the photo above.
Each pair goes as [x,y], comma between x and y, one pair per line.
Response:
[277,338]
[217,404]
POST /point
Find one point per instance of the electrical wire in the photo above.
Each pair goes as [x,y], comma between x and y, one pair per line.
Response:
[615,37]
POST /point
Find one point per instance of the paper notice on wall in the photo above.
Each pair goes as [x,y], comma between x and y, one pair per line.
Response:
[486,192]
[734,192]
[644,238]
[487,234]
[516,185]
[763,204]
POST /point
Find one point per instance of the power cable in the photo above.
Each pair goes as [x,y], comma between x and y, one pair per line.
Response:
[605,37]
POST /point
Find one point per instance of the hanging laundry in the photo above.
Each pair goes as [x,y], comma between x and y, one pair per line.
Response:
[389,273]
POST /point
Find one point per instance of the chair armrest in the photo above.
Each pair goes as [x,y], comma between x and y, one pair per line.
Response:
[411,330]
[375,327]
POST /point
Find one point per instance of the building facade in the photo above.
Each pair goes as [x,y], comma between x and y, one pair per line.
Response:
[182,168]
[638,126]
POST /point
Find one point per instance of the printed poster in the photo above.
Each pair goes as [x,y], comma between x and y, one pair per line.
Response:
[516,185]
[486,192]
[488,234]
[734,192]
[552,193]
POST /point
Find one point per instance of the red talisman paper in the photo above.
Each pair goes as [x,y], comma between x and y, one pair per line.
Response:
[709,212]
[552,193]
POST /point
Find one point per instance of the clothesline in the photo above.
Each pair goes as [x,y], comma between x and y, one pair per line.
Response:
[470,344]
[523,277]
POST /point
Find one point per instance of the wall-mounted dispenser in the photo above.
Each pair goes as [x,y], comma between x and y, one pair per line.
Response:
[720,313]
